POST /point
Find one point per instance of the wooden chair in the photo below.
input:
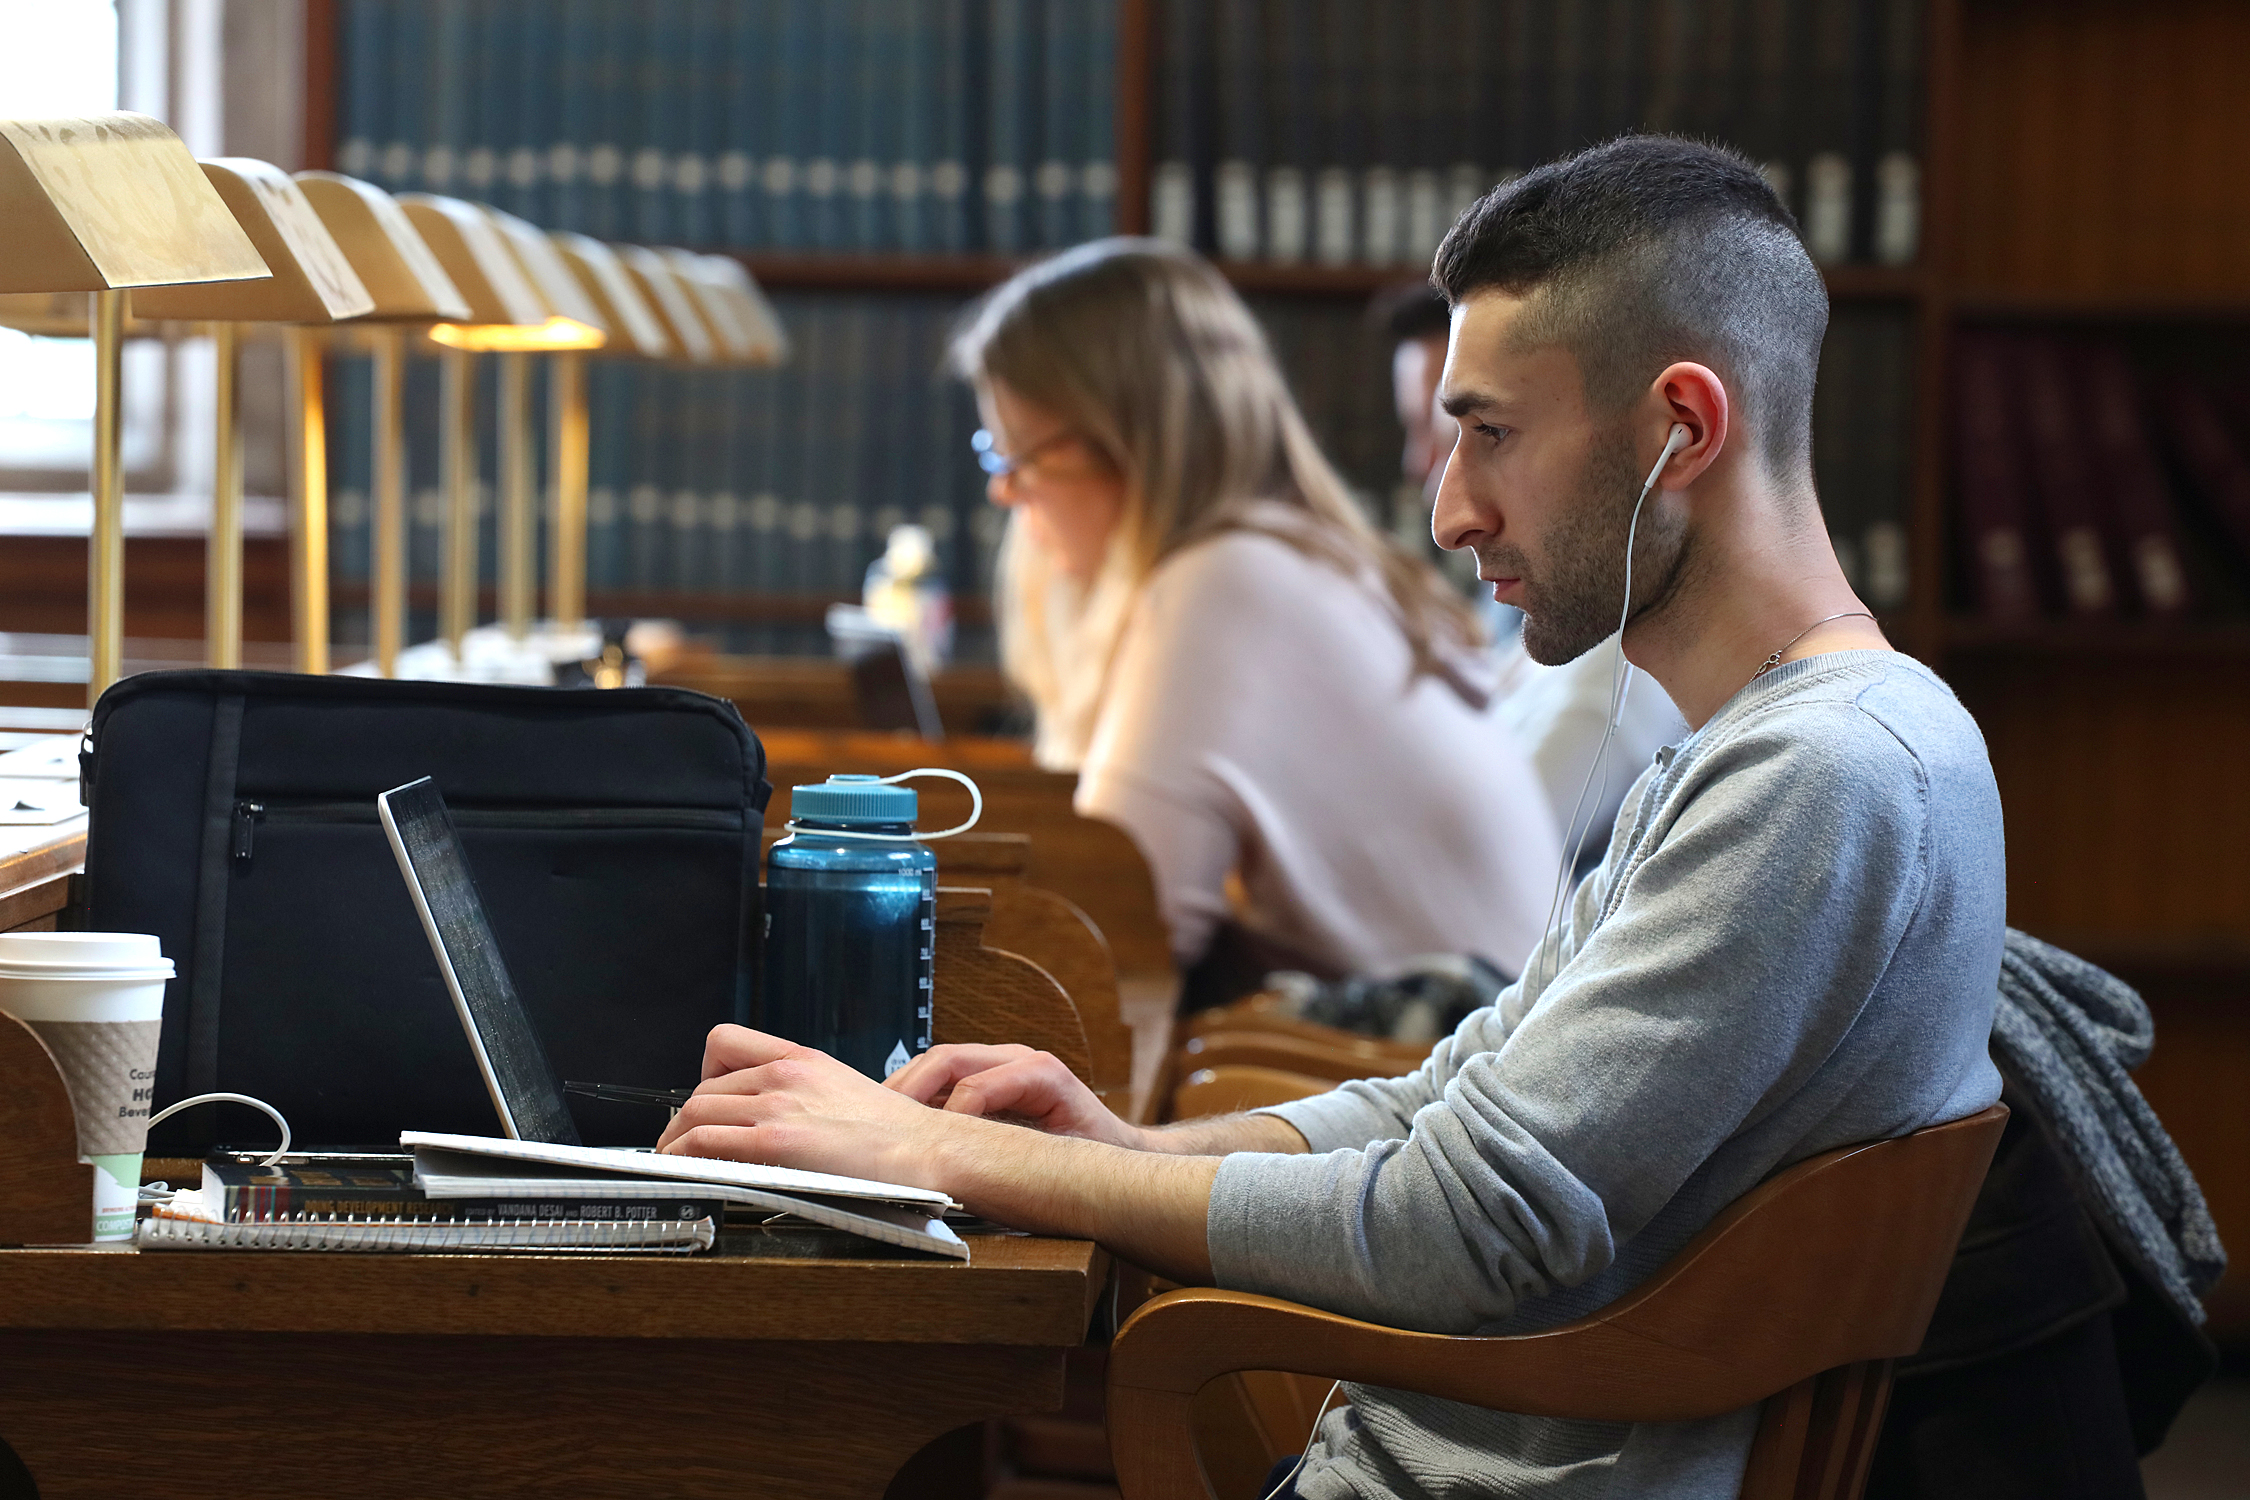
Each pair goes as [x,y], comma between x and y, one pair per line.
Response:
[1338,1060]
[1222,1091]
[1256,1032]
[988,994]
[1268,1011]
[1799,1295]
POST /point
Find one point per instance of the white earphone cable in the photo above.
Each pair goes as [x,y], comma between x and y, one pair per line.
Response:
[1621,676]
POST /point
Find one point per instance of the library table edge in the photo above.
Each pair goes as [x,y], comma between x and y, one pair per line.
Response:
[1013,1291]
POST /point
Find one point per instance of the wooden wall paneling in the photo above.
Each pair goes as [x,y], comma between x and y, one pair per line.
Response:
[2121,781]
[43,586]
[2100,143]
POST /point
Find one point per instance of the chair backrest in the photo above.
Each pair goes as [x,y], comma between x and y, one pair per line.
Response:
[1802,1290]
[1221,1091]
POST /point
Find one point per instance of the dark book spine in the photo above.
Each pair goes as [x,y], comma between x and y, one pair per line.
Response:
[2216,462]
[2066,486]
[2138,496]
[1182,97]
[1995,498]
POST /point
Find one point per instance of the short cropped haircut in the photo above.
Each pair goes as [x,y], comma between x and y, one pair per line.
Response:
[1646,250]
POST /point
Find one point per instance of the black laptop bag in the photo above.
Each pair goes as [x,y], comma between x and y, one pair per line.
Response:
[613,837]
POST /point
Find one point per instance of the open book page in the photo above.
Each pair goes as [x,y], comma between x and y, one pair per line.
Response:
[650,1164]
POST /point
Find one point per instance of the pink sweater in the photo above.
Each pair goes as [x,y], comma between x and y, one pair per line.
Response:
[1263,721]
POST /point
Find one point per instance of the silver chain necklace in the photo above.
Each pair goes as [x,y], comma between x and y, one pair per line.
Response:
[1775,659]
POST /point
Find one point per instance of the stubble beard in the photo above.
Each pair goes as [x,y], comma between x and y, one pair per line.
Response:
[1572,600]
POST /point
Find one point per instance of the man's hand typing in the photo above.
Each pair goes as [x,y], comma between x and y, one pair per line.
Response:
[1079,1171]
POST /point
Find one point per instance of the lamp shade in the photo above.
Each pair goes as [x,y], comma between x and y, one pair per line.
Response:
[731,341]
[468,244]
[660,284]
[101,202]
[549,274]
[770,341]
[312,280]
[634,328]
[394,262]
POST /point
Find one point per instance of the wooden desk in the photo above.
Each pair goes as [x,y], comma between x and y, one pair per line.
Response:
[35,869]
[188,1374]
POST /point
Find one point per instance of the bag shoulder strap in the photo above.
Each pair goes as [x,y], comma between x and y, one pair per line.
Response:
[213,875]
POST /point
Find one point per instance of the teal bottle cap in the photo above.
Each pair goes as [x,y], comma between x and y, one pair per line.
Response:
[853,799]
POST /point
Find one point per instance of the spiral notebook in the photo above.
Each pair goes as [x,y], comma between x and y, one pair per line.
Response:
[163,1231]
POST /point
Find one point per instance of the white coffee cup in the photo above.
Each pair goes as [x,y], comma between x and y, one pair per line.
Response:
[97,1000]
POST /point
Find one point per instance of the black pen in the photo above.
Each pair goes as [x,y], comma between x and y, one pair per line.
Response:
[625,1093]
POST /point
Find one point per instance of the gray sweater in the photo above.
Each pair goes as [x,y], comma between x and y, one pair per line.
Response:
[1791,944]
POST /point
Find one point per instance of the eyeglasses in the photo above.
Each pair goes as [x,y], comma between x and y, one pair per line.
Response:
[994,462]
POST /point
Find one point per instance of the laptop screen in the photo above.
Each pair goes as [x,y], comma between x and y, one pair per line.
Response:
[523,1084]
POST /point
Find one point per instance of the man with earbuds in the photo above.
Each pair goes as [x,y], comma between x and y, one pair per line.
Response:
[1791,943]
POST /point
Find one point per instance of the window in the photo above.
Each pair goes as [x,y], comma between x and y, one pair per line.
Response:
[61,59]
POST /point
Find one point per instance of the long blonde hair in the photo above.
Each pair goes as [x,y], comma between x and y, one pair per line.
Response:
[1146,353]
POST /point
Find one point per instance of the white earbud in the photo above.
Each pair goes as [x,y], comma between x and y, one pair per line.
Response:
[1679,437]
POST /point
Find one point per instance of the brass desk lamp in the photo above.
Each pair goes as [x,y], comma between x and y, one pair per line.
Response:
[672,302]
[567,443]
[101,204]
[636,332]
[732,279]
[409,286]
[312,283]
[514,320]
[506,314]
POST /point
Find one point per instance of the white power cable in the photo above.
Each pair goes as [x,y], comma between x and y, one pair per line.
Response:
[275,1115]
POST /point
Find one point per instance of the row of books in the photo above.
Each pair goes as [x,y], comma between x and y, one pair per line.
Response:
[937,126]
[1356,131]
[2096,484]
[783,484]
[1863,446]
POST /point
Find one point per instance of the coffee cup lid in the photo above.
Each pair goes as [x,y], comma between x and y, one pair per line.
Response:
[51,952]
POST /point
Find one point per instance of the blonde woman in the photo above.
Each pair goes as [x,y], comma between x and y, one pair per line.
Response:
[1289,715]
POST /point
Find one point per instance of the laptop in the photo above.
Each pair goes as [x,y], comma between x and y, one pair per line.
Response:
[523,1085]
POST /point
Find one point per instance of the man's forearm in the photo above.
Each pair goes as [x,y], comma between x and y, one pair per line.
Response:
[1222,1134]
[1149,1207]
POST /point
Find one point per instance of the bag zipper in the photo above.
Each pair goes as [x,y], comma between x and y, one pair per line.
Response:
[249,813]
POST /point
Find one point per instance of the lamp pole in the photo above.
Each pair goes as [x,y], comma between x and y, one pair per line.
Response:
[308,499]
[105,562]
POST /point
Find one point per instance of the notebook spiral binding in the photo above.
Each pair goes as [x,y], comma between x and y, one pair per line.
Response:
[344,1232]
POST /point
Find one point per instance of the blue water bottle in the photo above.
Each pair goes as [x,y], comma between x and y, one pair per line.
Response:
[851,925]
